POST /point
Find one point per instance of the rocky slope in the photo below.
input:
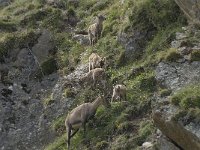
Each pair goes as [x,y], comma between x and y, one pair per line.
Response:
[44,51]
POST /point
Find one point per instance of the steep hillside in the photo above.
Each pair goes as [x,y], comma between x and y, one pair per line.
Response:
[149,47]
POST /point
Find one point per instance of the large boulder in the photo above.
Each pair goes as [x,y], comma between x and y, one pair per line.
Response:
[44,47]
[176,75]
[134,43]
[182,136]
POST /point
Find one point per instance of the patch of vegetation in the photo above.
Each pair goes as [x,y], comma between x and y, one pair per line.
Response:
[49,66]
[102,145]
[195,55]
[7,26]
[59,125]
[148,84]
[165,92]
[146,129]
[110,127]
[187,97]
[16,40]
[68,92]
[172,55]
[49,100]
[188,116]
[155,14]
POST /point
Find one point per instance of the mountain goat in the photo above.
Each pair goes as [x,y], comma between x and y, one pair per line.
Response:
[95,61]
[94,30]
[119,92]
[96,75]
[80,115]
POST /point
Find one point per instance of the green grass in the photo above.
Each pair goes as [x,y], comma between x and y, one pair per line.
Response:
[110,127]
[187,97]
[195,55]
[14,40]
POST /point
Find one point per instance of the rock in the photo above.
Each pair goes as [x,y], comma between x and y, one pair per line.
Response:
[82,39]
[135,43]
[6,92]
[147,145]
[163,143]
[175,131]
[42,49]
[180,36]
[176,75]
[175,44]
[184,50]
[5,2]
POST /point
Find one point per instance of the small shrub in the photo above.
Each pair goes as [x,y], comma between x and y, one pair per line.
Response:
[148,84]
[125,127]
[165,92]
[187,97]
[172,55]
[49,66]
[100,5]
[49,100]
[195,55]
[71,12]
[145,130]
[175,100]
[102,145]
[68,92]
[122,59]
[59,125]
[7,26]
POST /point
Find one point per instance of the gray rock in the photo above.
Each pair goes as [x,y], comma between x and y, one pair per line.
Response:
[175,131]
[82,39]
[44,46]
[184,50]
[163,143]
[134,43]
[5,2]
[180,36]
[176,75]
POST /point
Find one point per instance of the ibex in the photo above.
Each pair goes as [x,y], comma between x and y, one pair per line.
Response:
[80,115]
[95,61]
[94,30]
[119,92]
[96,75]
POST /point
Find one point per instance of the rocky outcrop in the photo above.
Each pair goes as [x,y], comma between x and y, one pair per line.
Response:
[191,8]
[175,131]
[82,39]
[5,2]
[44,46]
[174,76]
[134,43]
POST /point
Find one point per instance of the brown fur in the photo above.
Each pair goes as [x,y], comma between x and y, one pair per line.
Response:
[94,30]
[79,116]
[96,75]
[95,61]
[119,92]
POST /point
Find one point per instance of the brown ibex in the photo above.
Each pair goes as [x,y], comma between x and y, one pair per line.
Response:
[119,92]
[94,30]
[95,61]
[96,75]
[80,115]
